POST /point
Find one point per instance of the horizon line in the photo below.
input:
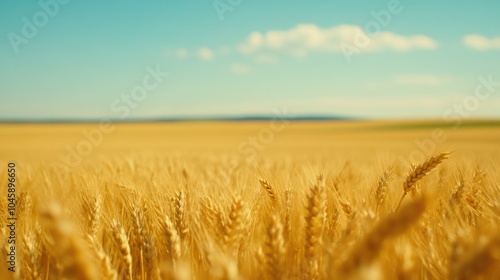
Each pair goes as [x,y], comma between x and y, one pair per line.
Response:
[248,118]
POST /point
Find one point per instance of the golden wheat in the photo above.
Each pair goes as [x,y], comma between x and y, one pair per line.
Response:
[268,188]
[197,216]
[417,173]
[121,240]
[315,211]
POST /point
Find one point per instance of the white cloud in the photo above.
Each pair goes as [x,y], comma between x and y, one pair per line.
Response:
[205,53]
[306,38]
[266,59]
[421,79]
[343,102]
[181,53]
[480,43]
[240,68]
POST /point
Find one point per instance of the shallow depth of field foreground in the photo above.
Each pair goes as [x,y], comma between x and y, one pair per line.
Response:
[317,200]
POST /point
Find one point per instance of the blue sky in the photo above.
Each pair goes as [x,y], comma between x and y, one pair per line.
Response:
[80,59]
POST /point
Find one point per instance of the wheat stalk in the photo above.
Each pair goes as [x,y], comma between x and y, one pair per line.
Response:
[288,213]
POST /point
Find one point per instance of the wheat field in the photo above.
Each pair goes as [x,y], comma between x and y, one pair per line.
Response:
[320,200]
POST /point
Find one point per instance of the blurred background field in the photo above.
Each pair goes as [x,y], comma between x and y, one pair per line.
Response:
[49,142]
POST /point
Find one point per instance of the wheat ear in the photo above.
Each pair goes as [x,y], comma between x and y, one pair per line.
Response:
[419,172]
[482,263]
[268,188]
[121,240]
[392,225]
[180,215]
[173,240]
[32,255]
[68,249]
[108,272]
[233,229]
[314,225]
[92,212]
[381,190]
[274,249]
